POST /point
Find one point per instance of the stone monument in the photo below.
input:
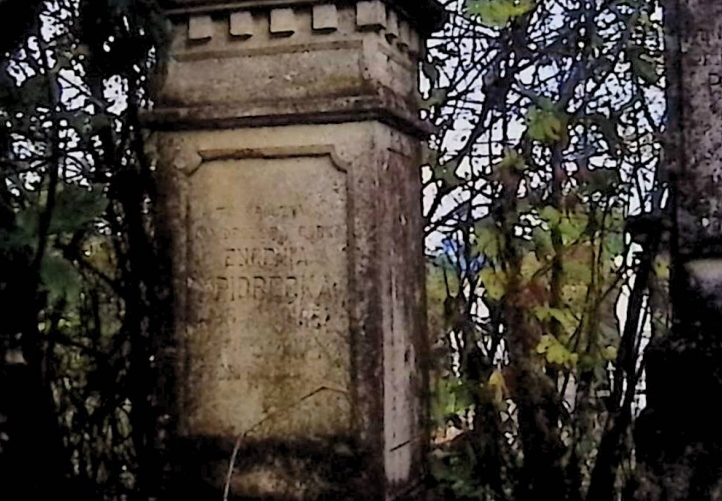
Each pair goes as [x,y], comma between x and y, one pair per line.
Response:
[679,440]
[289,144]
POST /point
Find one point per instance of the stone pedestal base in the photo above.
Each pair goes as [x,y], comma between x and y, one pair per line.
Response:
[299,301]
[289,154]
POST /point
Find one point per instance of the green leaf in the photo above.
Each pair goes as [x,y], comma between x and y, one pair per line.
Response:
[429,156]
[487,239]
[605,181]
[577,271]
[59,276]
[564,316]
[498,13]
[662,268]
[77,206]
[644,67]
[24,235]
[556,353]
[447,173]
[546,125]
[572,226]
[494,283]
[431,72]
[450,398]
[512,160]
[614,242]
[609,353]
[543,248]
[436,97]
[550,215]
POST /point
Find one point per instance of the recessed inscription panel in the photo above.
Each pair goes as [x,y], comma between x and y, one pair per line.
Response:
[267,335]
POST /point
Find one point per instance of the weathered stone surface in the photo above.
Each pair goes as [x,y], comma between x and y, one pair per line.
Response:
[322,76]
[392,26]
[200,27]
[427,15]
[699,150]
[325,17]
[268,272]
[241,24]
[283,21]
[371,14]
[680,452]
[298,291]
[288,176]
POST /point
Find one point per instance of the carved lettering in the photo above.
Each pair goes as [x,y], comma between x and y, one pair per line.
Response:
[267,239]
[708,59]
[265,257]
[276,288]
[319,232]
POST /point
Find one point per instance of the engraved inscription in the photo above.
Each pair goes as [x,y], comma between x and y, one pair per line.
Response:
[715,79]
[267,252]
[701,92]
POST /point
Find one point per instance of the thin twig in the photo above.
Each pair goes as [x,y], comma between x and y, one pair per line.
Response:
[268,417]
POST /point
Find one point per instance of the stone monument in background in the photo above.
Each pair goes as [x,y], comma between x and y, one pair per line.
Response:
[678,435]
[289,146]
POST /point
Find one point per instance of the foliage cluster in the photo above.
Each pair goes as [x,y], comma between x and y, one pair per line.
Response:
[79,279]
[545,207]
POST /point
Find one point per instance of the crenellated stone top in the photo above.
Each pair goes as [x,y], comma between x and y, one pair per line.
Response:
[254,62]
[425,16]
[284,21]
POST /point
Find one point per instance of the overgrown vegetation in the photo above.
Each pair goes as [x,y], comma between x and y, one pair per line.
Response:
[546,210]
[79,274]
[546,206]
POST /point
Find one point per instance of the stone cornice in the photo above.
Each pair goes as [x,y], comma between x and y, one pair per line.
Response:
[385,106]
[426,15]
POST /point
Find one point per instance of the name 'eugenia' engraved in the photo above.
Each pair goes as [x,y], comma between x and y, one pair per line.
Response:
[264,257]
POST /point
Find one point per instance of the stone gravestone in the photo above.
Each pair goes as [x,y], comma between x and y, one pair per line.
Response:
[289,145]
[678,435]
